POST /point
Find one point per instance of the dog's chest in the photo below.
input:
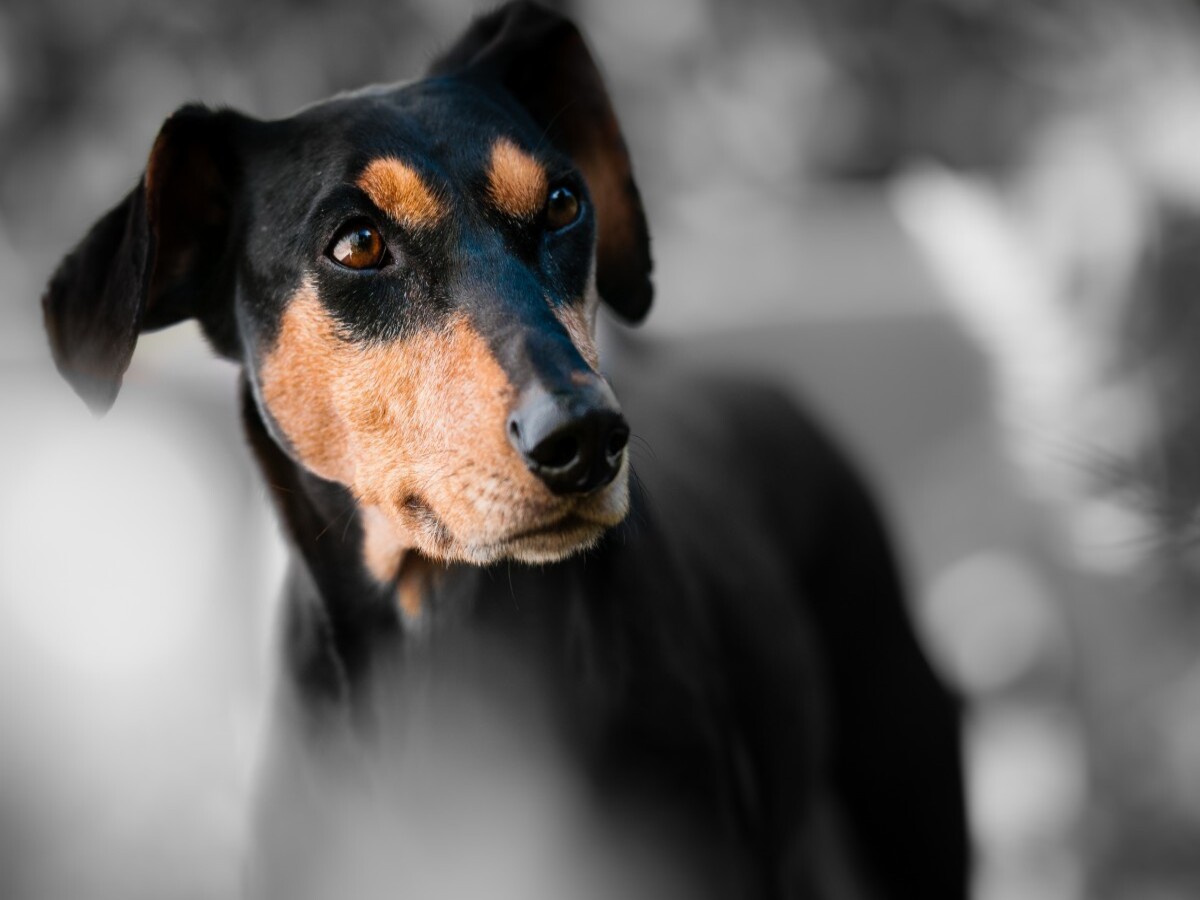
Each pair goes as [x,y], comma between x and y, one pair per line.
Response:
[533,711]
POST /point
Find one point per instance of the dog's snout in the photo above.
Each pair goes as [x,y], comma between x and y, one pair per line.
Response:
[575,443]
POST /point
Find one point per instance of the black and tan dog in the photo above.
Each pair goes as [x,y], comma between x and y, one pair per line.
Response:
[409,278]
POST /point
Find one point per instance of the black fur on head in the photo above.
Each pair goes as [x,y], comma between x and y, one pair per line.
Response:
[176,247]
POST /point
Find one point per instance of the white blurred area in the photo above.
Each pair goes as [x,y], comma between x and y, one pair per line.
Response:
[958,324]
[136,567]
[466,790]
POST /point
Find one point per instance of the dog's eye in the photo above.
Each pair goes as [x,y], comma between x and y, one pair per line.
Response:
[358,245]
[562,208]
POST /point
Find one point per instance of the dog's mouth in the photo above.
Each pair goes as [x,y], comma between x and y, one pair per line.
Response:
[561,529]
[554,535]
[548,542]
[552,541]
[560,526]
[427,520]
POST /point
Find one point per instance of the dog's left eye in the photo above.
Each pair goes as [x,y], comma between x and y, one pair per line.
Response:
[562,208]
[358,245]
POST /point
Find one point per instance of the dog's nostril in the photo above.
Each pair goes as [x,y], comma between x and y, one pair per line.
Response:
[573,441]
[557,452]
[617,441]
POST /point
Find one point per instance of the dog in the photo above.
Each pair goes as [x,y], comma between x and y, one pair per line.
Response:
[409,278]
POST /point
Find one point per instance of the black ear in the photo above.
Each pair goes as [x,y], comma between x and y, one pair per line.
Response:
[541,60]
[153,260]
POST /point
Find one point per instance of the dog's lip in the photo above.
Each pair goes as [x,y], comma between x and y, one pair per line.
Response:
[566,526]
[558,527]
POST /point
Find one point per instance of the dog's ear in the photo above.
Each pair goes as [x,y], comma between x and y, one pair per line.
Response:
[151,261]
[541,60]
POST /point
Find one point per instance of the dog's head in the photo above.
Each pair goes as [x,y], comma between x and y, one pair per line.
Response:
[409,277]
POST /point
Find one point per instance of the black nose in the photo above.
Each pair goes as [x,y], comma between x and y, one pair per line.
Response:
[575,441]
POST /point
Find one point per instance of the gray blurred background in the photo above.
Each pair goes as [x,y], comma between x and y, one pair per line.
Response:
[963,229]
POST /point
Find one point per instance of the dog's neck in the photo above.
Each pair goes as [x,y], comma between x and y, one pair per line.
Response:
[336,609]
[587,634]
[348,604]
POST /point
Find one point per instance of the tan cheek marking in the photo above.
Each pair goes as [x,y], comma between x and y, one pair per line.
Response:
[517,183]
[421,418]
[296,377]
[417,577]
[397,189]
[574,320]
[414,401]
[383,550]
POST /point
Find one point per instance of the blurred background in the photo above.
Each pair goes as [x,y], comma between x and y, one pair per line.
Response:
[968,231]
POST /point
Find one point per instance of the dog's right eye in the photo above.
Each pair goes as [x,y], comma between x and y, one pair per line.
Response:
[358,245]
[562,208]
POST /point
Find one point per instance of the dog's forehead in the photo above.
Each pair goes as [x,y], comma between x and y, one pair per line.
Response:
[442,128]
[454,176]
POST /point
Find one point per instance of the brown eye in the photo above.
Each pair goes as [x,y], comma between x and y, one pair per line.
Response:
[562,208]
[358,246]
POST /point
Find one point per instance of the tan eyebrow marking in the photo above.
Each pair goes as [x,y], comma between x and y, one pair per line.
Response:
[517,183]
[398,189]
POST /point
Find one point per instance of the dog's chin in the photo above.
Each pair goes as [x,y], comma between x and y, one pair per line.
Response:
[541,542]
[549,543]
[552,546]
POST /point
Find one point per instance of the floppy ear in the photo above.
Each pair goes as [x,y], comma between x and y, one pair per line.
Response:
[540,59]
[153,260]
